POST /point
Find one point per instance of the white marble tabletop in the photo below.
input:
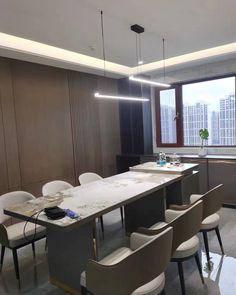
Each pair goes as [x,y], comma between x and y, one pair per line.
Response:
[153,167]
[96,198]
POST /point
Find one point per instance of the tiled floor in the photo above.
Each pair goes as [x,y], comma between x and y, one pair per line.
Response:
[221,280]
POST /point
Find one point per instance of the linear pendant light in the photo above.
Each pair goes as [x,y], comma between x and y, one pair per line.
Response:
[108,96]
[98,95]
[138,30]
[146,81]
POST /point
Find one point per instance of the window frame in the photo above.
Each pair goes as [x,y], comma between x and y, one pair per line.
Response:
[179,109]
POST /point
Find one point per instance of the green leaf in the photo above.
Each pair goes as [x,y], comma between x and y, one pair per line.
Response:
[204,134]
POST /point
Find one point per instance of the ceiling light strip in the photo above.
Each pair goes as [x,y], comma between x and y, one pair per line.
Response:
[189,57]
[145,81]
[33,48]
[117,97]
[11,43]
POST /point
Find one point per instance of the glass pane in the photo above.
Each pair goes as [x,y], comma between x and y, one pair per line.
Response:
[168,114]
[211,105]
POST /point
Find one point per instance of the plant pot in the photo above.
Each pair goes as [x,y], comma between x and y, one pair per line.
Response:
[202,152]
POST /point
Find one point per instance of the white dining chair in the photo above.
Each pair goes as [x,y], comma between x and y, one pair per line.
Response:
[185,245]
[19,234]
[135,270]
[53,187]
[211,219]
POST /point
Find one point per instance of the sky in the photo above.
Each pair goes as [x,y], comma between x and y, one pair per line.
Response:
[205,92]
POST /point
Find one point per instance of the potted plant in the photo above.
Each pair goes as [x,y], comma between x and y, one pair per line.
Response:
[204,134]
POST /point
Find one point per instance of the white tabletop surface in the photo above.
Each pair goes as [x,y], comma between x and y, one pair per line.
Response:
[93,199]
[153,167]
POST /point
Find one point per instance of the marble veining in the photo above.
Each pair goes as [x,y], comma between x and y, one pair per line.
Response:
[92,198]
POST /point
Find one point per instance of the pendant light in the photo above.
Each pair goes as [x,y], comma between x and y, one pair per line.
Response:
[108,96]
[138,30]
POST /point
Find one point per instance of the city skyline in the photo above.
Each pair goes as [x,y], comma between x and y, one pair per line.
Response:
[219,122]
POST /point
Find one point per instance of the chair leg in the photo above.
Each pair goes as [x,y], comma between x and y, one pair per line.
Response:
[15,258]
[199,266]
[122,216]
[181,277]
[46,244]
[207,249]
[83,291]
[102,225]
[2,257]
[33,248]
[219,239]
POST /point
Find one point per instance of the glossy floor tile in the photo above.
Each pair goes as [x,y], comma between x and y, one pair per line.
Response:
[220,280]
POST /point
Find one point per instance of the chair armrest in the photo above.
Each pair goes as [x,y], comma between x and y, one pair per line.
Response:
[170,215]
[194,198]
[144,235]
[179,207]
[137,240]
[3,236]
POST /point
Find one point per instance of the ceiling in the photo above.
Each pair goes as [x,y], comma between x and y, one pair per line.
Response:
[187,25]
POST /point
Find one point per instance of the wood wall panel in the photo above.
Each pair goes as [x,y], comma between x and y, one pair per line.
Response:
[8,125]
[135,119]
[85,122]
[3,165]
[43,123]
[52,127]
[109,126]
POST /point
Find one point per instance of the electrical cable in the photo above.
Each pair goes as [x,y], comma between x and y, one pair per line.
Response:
[164,59]
[103,44]
[35,227]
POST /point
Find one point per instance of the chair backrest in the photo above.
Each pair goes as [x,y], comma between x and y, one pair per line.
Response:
[186,225]
[53,187]
[11,199]
[134,271]
[88,177]
[212,201]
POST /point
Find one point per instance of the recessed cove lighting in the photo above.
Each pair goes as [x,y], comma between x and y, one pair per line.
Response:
[117,97]
[150,82]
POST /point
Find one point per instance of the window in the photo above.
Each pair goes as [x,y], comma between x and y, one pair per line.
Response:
[167,116]
[185,109]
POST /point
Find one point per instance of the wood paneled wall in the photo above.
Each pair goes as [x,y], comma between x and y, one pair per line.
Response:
[135,119]
[52,127]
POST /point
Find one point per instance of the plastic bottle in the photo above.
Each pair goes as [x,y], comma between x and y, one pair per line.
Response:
[162,159]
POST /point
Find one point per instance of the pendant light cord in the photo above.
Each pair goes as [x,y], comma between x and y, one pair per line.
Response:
[164,59]
[137,53]
[103,44]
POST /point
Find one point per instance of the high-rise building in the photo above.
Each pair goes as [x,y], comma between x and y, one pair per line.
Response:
[215,128]
[168,125]
[227,120]
[195,118]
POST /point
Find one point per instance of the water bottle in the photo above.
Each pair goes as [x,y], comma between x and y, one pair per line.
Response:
[162,159]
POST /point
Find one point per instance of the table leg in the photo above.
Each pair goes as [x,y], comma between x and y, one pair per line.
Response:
[68,254]
[145,211]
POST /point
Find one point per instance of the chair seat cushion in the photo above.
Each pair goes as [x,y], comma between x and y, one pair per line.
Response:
[187,248]
[16,233]
[210,222]
[152,288]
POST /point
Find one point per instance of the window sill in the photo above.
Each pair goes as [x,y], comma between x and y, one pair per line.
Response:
[195,150]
